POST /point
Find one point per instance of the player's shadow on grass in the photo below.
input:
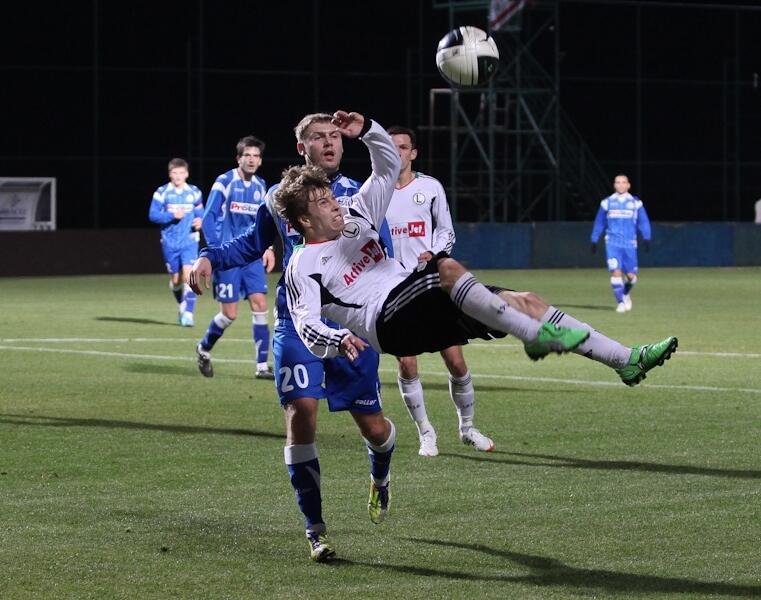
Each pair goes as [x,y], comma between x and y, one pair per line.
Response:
[545,572]
[136,320]
[567,462]
[500,388]
[606,307]
[165,369]
[45,421]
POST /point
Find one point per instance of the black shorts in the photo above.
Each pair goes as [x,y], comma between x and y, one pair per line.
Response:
[418,316]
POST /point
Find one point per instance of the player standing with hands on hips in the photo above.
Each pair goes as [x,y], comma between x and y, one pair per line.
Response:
[621,215]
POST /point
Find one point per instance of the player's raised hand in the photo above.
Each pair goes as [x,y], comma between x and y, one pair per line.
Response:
[350,124]
[201,272]
[351,346]
[196,224]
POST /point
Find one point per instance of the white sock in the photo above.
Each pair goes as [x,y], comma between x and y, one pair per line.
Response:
[222,321]
[597,346]
[412,394]
[475,299]
[464,398]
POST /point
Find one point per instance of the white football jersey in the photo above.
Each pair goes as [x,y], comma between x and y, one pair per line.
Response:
[347,279]
[419,219]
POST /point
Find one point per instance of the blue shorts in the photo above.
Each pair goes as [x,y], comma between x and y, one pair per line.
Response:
[175,258]
[240,282]
[348,385]
[624,259]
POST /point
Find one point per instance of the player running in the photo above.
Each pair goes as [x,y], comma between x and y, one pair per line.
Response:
[178,207]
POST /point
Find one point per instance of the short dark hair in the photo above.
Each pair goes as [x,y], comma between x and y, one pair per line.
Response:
[399,130]
[249,141]
[292,195]
[177,163]
[622,175]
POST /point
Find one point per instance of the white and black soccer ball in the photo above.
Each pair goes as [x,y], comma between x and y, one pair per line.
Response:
[467,56]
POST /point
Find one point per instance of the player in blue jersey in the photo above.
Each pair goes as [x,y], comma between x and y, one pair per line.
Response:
[348,386]
[231,210]
[178,207]
[621,216]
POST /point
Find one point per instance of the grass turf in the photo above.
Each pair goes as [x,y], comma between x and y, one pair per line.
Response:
[125,473]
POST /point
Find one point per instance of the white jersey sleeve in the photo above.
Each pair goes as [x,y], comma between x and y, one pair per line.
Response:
[374,196]
[443,230]
[304,303]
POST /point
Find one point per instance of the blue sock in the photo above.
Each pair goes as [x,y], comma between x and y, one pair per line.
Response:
[261,335]
[380,457]
[617,283]
[303,465]
[216,328]
[189,297]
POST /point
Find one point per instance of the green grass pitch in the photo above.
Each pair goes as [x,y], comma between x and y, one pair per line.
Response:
[125,474]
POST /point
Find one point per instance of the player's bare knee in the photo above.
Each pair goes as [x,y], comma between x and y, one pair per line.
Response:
[407,367]
[449,272]
[536,306]
[455,361]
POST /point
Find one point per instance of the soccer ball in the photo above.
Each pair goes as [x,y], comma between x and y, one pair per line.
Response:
[467,56]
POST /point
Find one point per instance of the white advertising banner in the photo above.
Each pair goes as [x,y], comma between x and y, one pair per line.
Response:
[27,203]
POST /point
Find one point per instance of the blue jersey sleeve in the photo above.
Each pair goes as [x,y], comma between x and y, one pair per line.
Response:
[210,225]
[197,203]
[599,226]
[385,234]
[245,248]
[643,223]
[158,215]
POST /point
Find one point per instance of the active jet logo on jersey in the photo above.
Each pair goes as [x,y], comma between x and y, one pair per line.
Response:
[351,230]
[243,208]
[371,253]
[418,198]
[411,229]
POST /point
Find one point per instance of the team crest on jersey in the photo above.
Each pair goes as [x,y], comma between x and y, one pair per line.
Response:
[351,230]
[418,198]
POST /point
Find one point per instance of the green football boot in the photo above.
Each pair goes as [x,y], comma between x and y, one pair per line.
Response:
[320,549]
[377,504]
[644,358]
[552,338]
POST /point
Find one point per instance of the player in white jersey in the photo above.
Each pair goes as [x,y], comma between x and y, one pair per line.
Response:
[178,207]
[421,227]
[341,272]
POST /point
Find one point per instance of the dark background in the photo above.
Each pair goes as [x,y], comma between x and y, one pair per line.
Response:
[101,95]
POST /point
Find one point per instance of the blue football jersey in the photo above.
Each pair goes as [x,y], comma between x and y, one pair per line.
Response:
[167,198]
[232,206]
[621,216]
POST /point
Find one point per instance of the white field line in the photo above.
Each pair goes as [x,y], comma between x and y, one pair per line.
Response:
[692,388]
[491,345]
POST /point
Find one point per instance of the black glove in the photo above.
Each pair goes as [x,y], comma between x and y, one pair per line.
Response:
[593,248]
[646,245]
